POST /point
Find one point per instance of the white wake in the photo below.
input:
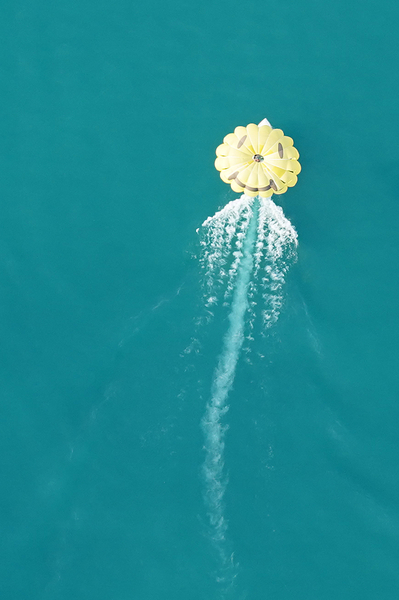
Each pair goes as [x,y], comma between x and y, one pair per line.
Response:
[247,248]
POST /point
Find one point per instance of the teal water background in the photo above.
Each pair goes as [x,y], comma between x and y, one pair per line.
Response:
[110,116]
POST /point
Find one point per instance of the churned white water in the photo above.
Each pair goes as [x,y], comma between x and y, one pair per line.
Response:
[223,236]
[247,248]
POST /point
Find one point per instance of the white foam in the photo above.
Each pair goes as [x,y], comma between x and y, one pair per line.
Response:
[279,241]
[248,247]
[219,231]
[214,430]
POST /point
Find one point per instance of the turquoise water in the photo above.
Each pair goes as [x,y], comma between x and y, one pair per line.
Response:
[110,116]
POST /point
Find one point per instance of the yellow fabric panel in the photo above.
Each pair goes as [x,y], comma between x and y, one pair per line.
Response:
[289,178]
[222,150]
[238,161]
[274,137]
[250,193]
[225,162]
[287,165]
[275,168]
[244,174]
[291,152]
[222,162]
[240,131]
[281,190]
[253,176]
[231,139]
[243,138]
[288,152]
[236,188]
[263,179]
[277,171]
[243,144]
[266,194]
[272,175]
[251,189]
[232,171]
[241,152]
[283,142]
[224,176]
[252,131]
[263,134]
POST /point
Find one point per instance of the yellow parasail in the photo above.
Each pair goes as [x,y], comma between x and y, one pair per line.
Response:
[258,160]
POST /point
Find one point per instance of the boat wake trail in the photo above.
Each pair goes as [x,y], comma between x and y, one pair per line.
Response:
[247,248]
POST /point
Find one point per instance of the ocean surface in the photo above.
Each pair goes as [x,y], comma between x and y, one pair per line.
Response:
[110,349]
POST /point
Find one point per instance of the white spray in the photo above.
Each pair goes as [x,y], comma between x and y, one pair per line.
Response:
[248,246]
[215,481]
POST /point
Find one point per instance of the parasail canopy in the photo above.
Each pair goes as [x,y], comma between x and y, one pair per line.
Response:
[258,160]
